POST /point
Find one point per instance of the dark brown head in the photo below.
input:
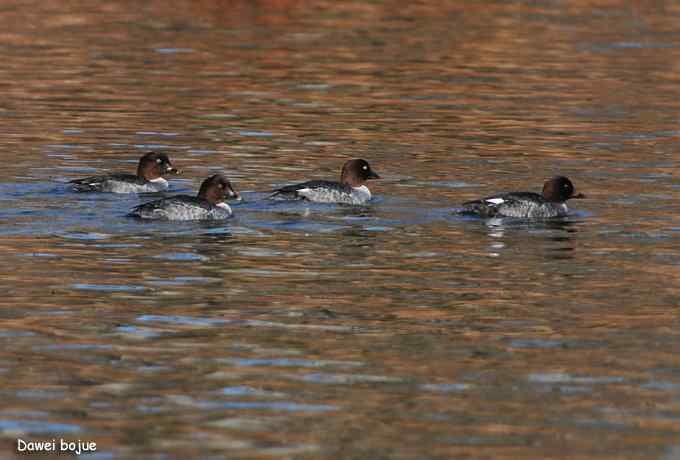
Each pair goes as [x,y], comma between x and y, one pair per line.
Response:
[559,189]
[356,172]
[154,165]
[216,189]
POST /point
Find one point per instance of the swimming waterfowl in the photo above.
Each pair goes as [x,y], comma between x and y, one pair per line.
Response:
[552,202]
[209,204]
[351,188]
[149,178]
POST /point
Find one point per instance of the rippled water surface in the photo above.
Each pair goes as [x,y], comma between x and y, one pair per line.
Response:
[393,330]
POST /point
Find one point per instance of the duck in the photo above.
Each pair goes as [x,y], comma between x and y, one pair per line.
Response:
[351,188]
[551,202]
[149,178]
[209,204]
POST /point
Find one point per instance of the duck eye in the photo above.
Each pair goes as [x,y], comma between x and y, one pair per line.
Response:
[159,161]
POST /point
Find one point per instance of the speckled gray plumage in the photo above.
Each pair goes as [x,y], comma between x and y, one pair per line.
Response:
[518,204]
[322,191]
[181,207]
[118,183]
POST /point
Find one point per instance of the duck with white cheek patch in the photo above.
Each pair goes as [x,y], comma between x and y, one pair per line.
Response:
[209,204]
[551,203]
[351,188]
[149,178]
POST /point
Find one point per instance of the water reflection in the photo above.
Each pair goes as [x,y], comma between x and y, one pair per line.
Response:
[558,238]
[328,331]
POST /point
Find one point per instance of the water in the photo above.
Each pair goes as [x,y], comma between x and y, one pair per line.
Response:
[394,330]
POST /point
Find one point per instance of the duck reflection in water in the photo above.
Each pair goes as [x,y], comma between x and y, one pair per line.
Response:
[558,235]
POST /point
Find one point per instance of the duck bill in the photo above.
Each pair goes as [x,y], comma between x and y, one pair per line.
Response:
[170,170]
[234,195]
[578,196]
[373,175]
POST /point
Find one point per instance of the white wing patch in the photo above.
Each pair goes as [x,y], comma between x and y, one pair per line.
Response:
[495,201]
[160,181]
[304,191]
